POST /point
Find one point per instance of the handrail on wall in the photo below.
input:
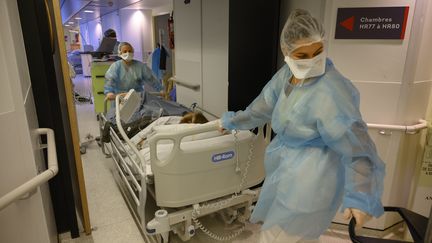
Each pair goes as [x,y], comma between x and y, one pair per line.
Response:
[195,106]
[412,129]
[40,179]
[407,129]
[194,87]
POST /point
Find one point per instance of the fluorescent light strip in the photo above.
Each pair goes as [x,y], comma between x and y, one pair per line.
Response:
[88,11]
[78,18]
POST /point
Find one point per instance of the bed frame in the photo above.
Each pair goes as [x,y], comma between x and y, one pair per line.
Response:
[139,190]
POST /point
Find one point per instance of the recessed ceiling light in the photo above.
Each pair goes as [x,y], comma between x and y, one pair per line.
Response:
[88,11]
[78,18]
[66,25]
[70,22]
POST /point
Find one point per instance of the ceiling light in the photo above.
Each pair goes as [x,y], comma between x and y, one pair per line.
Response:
[78,18]
[71,22]
[88,11]
[66,25]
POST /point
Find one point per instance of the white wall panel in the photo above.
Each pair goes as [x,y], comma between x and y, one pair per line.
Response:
[378,101]
[92,33]
[215,55]
[420,81]
[420,91]
[29,220]
[147,34]
[187,29]
[135,26]
[380,71]
[368,60]
[6,101]
[417,102]
[424,62]
[166,9]
[112,21]
[188,55]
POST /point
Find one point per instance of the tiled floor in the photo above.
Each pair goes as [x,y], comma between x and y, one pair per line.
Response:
[110,218]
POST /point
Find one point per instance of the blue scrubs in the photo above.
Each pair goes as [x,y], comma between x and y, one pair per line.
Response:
[321,157]
[121,77]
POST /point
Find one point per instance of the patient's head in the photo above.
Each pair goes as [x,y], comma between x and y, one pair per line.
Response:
[193,117]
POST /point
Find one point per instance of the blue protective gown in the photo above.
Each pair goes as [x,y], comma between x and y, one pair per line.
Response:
[156,55]
[121,77]
[321,157]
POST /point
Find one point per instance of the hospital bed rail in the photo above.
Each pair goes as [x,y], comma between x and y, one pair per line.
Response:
[103,120]
[268,129]
[181,221]
[128,172]
[134,184]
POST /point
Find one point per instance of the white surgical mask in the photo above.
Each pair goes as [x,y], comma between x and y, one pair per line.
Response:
[127,56]
[307,68]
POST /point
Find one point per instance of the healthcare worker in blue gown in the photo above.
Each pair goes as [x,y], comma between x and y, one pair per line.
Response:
[322,156]
[128,73]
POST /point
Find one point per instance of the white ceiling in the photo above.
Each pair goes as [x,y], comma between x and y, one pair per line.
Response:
[150,4]
[75,8]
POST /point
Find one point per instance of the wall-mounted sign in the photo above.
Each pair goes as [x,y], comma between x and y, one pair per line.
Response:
[371,23]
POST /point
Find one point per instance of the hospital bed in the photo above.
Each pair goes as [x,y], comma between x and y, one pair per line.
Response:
[185,174]
[146,108]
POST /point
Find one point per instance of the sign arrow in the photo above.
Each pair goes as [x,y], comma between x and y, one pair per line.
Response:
[348,23]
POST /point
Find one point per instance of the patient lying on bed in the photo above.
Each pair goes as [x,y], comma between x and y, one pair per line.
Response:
[140,139]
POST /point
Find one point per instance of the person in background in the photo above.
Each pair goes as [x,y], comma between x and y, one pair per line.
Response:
[322,156]
[109,43]
[110,33]
[127,73]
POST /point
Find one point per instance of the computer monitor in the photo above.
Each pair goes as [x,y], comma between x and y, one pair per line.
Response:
[107,45]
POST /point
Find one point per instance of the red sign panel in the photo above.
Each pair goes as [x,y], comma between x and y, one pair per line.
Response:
[371,23]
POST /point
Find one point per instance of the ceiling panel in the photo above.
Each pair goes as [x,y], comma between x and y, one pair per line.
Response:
[146,4]
[85,10]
